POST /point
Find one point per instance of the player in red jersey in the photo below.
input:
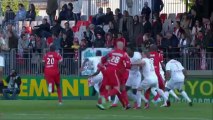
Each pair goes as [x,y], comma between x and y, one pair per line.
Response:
[115,83]
[158,61]
[51,71]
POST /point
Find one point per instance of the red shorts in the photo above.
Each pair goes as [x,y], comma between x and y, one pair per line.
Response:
[52,78]
[113,77]
[160,81]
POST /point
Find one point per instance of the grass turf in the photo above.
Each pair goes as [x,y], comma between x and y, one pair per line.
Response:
[86,110]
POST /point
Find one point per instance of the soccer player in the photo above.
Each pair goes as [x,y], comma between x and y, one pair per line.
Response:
[134,78]
[51,62]
[157,59]
[150,78]
[118,62]
[175,74]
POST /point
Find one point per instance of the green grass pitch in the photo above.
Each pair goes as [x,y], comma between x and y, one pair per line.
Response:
[86,110]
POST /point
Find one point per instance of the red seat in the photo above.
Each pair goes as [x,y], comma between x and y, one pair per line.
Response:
[90,19]
[79,23]
[163,17]
[75,29]
[86,23]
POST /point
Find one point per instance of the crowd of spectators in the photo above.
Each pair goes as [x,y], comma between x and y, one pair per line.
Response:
[192,34]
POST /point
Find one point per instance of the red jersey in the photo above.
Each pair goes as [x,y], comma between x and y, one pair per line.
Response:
[51,60]
[157,59]
[117,59]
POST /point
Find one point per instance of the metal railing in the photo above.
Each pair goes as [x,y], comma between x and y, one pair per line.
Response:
[30,63]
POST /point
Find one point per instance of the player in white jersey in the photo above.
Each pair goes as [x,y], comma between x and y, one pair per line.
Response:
[175,74]
[150,78]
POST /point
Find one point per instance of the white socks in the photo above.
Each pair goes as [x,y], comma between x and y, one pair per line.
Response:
[174,95]
[116,100]
[183,93]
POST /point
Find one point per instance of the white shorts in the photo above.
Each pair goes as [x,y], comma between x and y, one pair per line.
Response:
[146,84]
[95,80]
[134,80]
[174,85]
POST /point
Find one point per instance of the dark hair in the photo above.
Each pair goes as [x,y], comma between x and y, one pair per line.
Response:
[64,6]
[55,34]
[153,47]
[7,6]
[71,6]
[118,9]
[137,18]
[52,48]
[45,19]
[98,53]
[32,7]
[20,4]
[160,34]
[22,35]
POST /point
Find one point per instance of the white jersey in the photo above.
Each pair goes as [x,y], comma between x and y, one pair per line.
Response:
[148,70]
[162,72]
[136,59]
[176,69]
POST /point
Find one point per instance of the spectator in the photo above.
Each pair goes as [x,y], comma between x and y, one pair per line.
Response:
[113,30]
[89,34]
[63,14]
[136,28]
[184,44]
[98,19]
[118,13]
[108,17]
[99,41]
[75,48]
[146,11]
[66,44]
[195,30]
[70,14]
[109,40]
[43,29]
[208,39]
[23,46]
[12,40]
[178,30]
[157,6]
[69,32]
[56,27]
[99,30]
[14,82]
[40,44]
[173,44]
[147,41]
[126,26]
[31,14]
[120,39]
[156,25]
[146,26]
[9,16]
[3,43]
[194,17]
[116,22]
[83,44]
[21,14]
[52,6]
[77,6]
[162,42]
[56,41]
[184,23]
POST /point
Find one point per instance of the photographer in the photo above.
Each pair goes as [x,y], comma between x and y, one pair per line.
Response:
[13,88]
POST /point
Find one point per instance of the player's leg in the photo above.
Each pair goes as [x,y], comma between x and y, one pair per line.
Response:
[183,93]
[50,82]
[144,87]
[169,90]
[57,82]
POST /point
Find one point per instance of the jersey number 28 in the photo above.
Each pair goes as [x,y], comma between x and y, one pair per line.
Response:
[115,59]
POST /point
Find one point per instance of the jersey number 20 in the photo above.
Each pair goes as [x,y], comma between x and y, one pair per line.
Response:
[50,61]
